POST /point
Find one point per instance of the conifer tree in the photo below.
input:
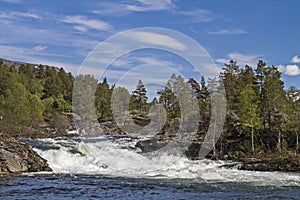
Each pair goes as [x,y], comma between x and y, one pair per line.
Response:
[249,112]
[140,98]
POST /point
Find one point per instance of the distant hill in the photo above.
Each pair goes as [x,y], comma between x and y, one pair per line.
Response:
[17,64]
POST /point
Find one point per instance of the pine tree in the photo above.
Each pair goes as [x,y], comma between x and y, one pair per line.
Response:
[120,104]
[230,77]
[84,99]
[103,100]
[204,105]
[249,112]
[140,97]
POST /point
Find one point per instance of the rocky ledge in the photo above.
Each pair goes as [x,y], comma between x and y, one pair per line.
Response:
[288,163]
[284,163]
[17,157]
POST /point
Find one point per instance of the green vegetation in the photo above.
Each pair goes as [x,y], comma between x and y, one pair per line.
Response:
[260,112]
[32,95]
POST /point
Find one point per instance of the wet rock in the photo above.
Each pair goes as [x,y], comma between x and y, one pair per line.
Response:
[111,127]
[150,145]
[286,164]
[17,157]
[193,150]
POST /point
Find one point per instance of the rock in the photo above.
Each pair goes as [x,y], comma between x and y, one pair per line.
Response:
[193,150]
[286,164]
[95,128]
[150,145]
[111,127]
[17,157]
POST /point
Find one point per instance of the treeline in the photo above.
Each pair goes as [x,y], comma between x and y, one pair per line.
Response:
[259,110]
[32,95]
[261,116]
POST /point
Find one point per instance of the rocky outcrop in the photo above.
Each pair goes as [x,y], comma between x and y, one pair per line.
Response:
[17,157]
[286,164]
[150,145]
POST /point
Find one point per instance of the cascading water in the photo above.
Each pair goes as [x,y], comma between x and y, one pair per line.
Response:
[118,157]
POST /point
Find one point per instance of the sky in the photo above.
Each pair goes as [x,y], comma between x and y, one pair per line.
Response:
[63,33]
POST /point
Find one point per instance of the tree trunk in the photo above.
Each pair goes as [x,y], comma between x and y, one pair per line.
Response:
[297,143]
[214,138]
[279,142]
[252,139]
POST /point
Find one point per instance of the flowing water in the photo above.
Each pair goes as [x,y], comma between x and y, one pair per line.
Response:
[112,168]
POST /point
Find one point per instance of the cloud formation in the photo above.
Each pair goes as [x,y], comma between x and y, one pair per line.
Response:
[296,59]
[150,5]
[82,23]
[156,39]
[242,59]
[237,31]
[15,15]
[292,70]
[40,48]
[198,15]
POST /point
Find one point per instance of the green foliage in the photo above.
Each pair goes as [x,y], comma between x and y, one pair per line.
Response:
[248,108]
[103,101]
[249,111]
[83,98]
[24,108]
[29,93]
[140,97]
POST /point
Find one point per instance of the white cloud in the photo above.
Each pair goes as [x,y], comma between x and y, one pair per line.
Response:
[82,23]
[37,35]
[154,61]
[150,5]
[242,59]
[40,48]
[14,15]
[198,15]
[80,28]
[228,32]
[111,9]
[126,7]
[292,70]
[156,39]
[296,59]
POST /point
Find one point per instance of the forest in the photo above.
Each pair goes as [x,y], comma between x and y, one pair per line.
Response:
[262,117]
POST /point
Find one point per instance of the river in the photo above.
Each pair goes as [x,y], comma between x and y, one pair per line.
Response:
[110,167]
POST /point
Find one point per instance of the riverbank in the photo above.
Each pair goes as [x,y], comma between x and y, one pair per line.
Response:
[17,157]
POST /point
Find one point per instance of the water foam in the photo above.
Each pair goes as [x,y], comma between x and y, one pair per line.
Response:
[114,158]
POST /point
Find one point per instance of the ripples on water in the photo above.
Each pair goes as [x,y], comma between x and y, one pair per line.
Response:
[112,168]
[66,186]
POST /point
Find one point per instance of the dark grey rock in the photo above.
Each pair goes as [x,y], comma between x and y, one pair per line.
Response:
[150,145]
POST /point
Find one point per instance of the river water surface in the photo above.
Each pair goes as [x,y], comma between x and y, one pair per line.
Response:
[112,168]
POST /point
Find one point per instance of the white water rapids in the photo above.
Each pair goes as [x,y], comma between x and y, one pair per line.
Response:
[118,157]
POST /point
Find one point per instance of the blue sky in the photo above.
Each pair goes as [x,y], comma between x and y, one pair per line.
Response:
[63,32]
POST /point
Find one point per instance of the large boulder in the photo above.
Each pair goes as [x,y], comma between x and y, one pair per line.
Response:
[152,144]
[17,157]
